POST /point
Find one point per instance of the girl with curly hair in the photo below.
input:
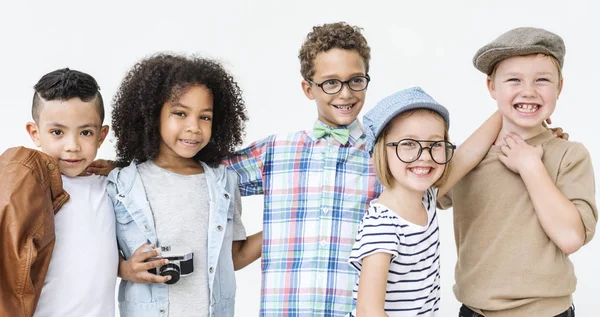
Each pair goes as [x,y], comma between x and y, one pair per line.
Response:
[175,118]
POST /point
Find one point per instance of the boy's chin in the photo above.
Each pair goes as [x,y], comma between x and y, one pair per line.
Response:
[74,172]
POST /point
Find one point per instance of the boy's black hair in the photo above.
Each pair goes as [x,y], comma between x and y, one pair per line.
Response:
[161,78]
[64,84]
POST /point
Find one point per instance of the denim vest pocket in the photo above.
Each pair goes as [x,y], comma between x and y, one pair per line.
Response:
[129,235]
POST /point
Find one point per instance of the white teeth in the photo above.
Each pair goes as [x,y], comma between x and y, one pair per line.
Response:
[420,170]
[527,108]
[344,107]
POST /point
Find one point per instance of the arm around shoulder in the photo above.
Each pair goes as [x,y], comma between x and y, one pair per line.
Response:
[472,151]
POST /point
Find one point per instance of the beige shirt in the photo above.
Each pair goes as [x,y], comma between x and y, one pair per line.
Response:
[507,265]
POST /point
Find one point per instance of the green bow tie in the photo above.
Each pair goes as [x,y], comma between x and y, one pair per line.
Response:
[341,134]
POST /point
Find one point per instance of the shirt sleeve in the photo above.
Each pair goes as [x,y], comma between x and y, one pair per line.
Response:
[239,231]
[576,181]
[249,164]
[379,231]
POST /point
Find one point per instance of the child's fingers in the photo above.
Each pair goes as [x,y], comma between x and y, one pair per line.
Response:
[503,159]
[99,163]
[145,255]
[153,264]
[505,149]
[93,170]
[147,277]
[510,141]
[517,138]
[147,247]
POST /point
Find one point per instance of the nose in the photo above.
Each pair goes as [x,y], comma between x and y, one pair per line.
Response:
[346,92]
[193,126]
[72,144]
[528,90]
[425,154]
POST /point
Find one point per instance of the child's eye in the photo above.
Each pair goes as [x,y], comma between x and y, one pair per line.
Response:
[437,144]
[408,143]
[331,82]
[205,118]
[87,133]
[178,113]
[544,79]
[513,79]
[56,132]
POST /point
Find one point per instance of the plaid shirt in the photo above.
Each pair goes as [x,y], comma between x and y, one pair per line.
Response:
[316,191]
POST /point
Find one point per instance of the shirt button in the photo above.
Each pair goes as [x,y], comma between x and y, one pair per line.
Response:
[325,210]
[121,195]
[51,166]
[162,310]
[226,196]
[219,228]
[323,242]
[211,270]
[146,227]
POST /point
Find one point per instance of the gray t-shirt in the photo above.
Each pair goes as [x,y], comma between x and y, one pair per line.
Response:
[180,205]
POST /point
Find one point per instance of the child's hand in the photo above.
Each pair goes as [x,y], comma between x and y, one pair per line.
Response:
[558,132]
[100,167]
[518,155]
[136,268]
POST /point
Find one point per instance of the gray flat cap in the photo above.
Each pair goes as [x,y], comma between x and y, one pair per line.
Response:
[389,107]
[519,42]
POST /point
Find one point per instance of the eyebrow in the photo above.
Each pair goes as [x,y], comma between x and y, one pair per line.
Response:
[520,74]
[331,76]
[180,105]
[88,125]
[432,138]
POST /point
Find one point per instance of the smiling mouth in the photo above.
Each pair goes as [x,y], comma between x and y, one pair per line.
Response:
[527,107]
[421,171]
[189,142]
[344,107]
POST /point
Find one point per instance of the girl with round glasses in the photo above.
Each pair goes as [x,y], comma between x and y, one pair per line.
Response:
[397,249]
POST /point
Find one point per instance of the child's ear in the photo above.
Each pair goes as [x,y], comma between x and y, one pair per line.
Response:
[307,89]
[103,134]
[490,86]
[34,133]
[560,87]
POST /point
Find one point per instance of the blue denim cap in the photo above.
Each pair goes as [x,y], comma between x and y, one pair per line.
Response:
[385,110]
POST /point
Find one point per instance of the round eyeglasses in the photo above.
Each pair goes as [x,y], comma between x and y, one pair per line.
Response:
[409,150]
[333,86]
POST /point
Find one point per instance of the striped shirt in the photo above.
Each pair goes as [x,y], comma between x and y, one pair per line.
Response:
[315,194]
[413,286]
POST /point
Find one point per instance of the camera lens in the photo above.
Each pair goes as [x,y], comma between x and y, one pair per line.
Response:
[171,270]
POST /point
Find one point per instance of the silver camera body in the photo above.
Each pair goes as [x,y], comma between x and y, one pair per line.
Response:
[181,262]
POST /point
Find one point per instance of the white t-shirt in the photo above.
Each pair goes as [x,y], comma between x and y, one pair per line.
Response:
[83,269]
[413,283]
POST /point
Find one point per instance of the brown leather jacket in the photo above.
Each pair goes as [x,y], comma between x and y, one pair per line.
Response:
[31,193]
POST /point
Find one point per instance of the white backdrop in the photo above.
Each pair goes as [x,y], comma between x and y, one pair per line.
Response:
[426,43]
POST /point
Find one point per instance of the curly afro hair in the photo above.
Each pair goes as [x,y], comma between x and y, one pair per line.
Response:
[328,36]
[164,77]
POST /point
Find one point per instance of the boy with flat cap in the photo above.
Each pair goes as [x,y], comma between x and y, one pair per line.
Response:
[530,202]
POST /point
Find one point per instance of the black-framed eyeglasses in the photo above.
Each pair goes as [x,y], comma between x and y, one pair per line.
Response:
[409,150]
[333,86]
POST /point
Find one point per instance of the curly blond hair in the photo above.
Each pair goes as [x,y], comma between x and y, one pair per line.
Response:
[328,36]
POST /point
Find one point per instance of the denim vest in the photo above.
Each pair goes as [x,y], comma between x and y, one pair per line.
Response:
[135,226]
